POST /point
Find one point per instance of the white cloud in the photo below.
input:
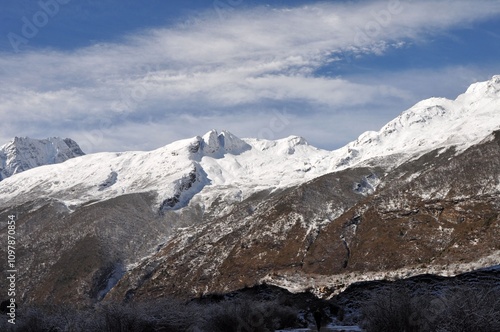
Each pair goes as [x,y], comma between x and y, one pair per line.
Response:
[231,73]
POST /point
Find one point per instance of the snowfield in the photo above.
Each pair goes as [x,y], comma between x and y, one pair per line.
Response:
[202,169]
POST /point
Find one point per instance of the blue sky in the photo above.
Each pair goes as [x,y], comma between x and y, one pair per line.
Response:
[130,75]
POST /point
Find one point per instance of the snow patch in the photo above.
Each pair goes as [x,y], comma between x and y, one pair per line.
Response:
[367,185]
[335,284]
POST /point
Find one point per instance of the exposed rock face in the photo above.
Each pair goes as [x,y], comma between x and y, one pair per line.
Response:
[216,213]
[77,257]
[428,213]
[185,188]
[23,153]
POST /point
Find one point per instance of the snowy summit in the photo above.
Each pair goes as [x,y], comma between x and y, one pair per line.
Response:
[219,165]
[23,153]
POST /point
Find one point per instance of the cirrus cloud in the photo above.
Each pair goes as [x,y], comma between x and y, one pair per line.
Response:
[229,73]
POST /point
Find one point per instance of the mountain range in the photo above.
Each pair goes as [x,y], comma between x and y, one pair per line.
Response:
[217,213]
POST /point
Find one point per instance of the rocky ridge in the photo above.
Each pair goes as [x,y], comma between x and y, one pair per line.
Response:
[216,213]
[24,153]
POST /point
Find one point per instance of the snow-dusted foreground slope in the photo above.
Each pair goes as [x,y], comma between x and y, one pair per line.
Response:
[220,165]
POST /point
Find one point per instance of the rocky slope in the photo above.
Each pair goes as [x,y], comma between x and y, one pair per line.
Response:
[437,214]
[215,213]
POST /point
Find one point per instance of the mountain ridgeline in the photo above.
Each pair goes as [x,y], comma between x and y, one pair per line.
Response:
[215,213]
[24,153]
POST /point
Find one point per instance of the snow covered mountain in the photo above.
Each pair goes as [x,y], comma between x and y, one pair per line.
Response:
[202,169]
[431,124]
[198,166]
[23,153]
[214,213]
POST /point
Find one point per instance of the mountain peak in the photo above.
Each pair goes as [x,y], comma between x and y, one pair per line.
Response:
[489,88]
[297,140]
[432,123]
[23,153]
[221,159]
[214,142]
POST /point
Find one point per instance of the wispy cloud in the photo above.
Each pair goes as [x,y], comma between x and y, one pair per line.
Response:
[164,84]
